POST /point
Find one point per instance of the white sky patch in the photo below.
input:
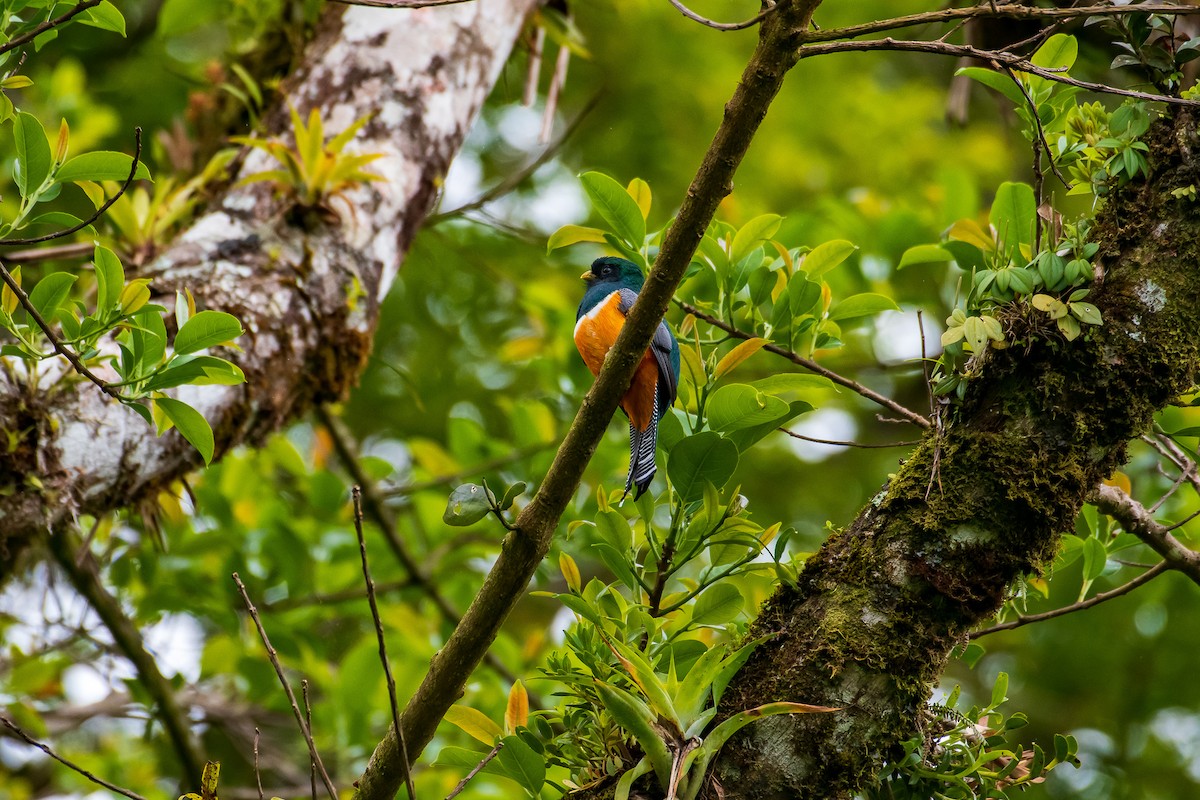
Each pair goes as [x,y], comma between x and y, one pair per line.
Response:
[559,201]
[521,126]
[177,642]
[1180,729]
[898,336]
[824,423]
[464,181]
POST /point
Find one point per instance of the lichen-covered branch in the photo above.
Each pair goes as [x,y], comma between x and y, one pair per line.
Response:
[306,290]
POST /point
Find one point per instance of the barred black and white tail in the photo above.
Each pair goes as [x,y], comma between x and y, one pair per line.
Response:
[641,456]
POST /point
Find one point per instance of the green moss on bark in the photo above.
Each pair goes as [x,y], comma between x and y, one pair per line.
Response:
[879,608]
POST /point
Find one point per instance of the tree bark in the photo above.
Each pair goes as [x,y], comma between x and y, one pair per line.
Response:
[878,609]
[306,290]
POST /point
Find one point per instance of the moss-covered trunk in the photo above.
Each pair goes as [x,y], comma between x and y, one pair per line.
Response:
[879,608]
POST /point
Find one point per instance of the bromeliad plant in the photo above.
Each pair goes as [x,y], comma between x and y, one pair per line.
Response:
[315,170]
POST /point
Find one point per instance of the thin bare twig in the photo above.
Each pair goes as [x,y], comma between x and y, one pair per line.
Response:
[475,771]
[520,176]
[70,355]
[36,254]
[257,774]
[996,11]
[1095,600]
[312,764]
[400,3]
[557,81]
[768,7]
[1039,142]
[25,737]
[908,414]
[841,443]
[1019,63]
[287,688]
[29,36]
[479,469]
[345,596]
[383,656]
[137,155]
[1135,519]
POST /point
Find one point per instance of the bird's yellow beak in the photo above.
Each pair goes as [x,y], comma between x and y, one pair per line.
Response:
[587,276]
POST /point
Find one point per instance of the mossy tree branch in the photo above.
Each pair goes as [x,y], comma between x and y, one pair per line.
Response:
[879,608]
[524,548]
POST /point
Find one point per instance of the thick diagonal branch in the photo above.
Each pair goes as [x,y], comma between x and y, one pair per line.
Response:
[525,547]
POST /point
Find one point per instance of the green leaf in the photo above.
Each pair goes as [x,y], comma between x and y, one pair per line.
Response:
[745,438]
[613,528]
[1059,51]
[104,16]
[753,234]
[33,154]
[862,305]
[616,207]
[51,292]
[789,384]
[1013,212]
[190,423]
[522,764]
[206,329]
[474,723]
[999,689]
[511,494]
[826,256]
[467,505]
[738,405]
[573,234]
[995,80]
[703,457]
[110,278]
[625,784]
[1086,313]
[635,717]
[1094,559]
[718,604]
[102,165]
[924,254]
[182,16]
[196,371]
[803,295]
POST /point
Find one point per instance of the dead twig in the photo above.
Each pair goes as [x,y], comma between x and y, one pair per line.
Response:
[383,656]
[768,7]
[908,414]
[1101,597]
[287,688]
[25,737]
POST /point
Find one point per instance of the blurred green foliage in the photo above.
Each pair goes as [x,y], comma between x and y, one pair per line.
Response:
[474,376]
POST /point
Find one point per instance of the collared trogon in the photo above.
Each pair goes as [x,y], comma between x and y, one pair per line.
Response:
[612,286]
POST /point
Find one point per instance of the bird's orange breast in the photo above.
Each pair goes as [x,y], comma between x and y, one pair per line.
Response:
[595,333]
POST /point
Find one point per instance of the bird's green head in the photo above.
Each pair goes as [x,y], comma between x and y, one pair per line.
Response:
[614,273]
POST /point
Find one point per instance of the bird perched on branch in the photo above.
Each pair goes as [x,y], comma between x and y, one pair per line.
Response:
[612,286]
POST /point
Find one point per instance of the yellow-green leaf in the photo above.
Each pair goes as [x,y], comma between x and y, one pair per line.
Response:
[639,190]
[474,723]
[573,234]
[516,715]
[737,355]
